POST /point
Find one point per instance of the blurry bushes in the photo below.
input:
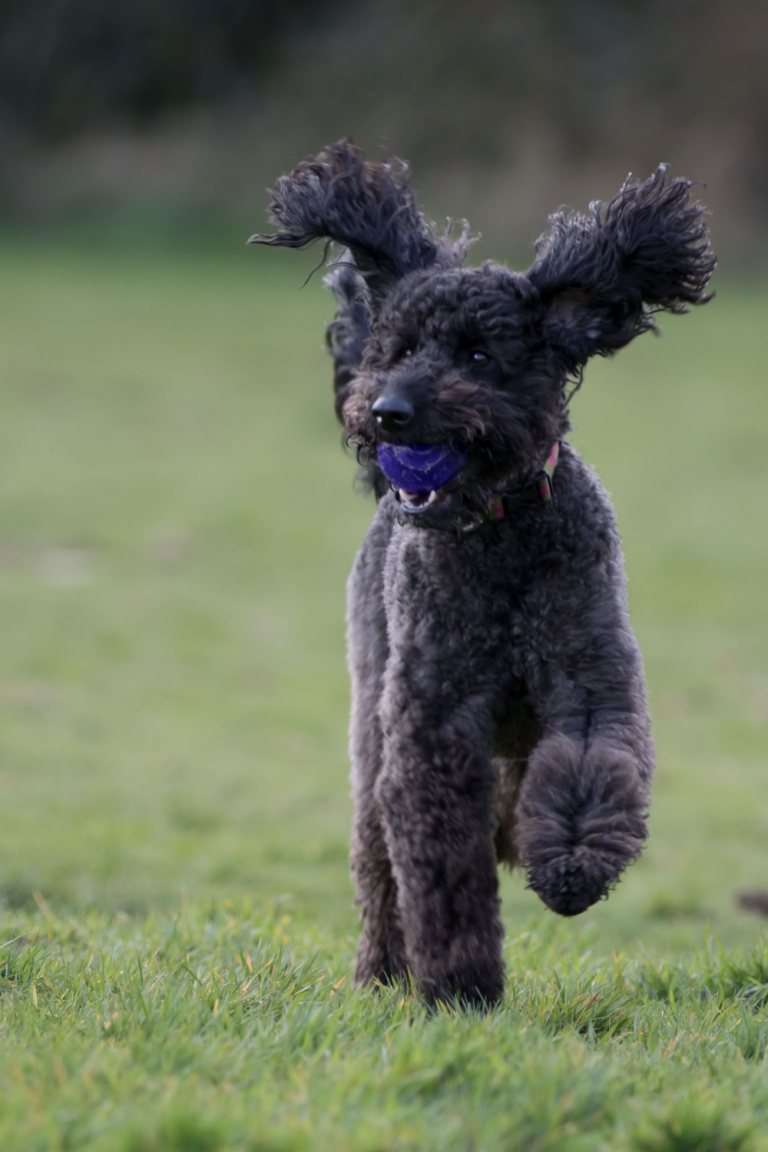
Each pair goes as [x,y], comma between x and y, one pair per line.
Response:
[70,64]
[596,69]
[502,106]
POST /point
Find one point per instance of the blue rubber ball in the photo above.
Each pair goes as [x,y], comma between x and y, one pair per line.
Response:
[420,467]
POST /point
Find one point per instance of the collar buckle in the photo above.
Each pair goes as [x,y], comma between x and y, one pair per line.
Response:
[543,482]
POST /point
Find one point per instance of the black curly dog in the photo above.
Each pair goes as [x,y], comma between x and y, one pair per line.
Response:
[498,700]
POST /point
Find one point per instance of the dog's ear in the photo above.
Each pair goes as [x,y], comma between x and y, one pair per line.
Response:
[365,207]
[602,277]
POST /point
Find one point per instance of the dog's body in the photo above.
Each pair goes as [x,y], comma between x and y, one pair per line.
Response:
[498,699]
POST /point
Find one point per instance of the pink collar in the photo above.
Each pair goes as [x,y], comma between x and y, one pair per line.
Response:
[539,487]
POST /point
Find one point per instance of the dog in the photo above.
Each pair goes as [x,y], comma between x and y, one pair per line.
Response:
[499,706]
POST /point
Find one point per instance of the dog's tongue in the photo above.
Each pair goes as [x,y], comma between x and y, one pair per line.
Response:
[420,467]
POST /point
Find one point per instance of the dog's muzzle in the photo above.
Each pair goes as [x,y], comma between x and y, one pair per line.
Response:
[420,471]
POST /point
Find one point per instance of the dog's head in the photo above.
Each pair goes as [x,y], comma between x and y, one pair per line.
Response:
[465,372]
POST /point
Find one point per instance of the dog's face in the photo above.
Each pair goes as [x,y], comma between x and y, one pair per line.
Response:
[461,373]
[459,358]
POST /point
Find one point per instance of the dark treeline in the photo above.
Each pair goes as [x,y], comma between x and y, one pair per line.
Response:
[544,94]
[66,65]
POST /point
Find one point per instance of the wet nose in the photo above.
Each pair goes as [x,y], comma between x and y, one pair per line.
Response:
[392,412]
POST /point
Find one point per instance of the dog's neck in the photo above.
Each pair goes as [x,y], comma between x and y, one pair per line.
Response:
[538,488]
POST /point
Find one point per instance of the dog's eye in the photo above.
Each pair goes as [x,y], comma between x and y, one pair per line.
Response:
[407,352]
[479,358]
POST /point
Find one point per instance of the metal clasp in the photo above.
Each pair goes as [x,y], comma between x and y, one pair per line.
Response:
[543,482]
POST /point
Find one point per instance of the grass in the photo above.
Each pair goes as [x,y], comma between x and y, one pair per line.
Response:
[176,524]
[207,1031]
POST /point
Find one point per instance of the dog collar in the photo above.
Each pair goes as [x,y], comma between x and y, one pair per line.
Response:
[536,490]
[539,487]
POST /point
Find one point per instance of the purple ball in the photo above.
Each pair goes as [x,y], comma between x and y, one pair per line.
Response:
[420,467]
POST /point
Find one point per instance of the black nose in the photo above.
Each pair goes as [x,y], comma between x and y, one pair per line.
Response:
[392,412]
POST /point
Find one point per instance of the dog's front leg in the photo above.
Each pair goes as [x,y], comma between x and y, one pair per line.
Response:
[435,797]
[583,802]
[381,952]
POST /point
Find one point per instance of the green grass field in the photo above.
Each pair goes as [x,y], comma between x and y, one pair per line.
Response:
[177,520]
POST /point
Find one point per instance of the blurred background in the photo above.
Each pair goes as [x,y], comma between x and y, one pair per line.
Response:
[177,517]
[185,109]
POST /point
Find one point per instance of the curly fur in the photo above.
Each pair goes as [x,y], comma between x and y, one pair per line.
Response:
[582,820]
[498,699]
[367,208]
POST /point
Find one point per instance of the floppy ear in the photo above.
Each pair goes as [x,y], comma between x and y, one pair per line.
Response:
[365,207]
[602,277]
[348,332]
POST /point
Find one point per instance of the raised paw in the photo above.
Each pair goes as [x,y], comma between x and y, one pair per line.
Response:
[581,821]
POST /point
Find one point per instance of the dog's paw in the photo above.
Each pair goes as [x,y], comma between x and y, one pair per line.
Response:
[574,881]
[380,962]
[581,821]
[474,986]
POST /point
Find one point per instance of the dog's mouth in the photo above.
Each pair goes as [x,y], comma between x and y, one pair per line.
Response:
[422,475]
[421,501]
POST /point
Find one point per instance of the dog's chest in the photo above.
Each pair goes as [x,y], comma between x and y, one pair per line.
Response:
[467,596]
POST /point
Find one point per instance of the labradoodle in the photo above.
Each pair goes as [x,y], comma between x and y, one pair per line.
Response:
[498,700]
